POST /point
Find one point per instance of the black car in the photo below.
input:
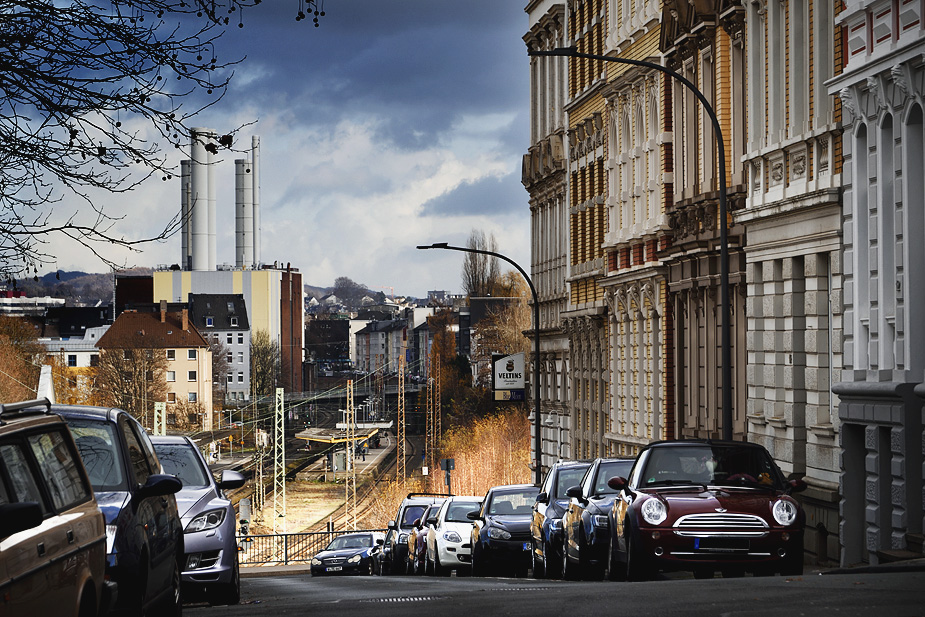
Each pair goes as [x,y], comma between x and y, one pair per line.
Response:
[501,543]
[411,509]
[349,553]
[144,536]
[585,526]
[551,504]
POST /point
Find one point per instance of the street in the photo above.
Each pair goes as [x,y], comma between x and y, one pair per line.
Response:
[897,594]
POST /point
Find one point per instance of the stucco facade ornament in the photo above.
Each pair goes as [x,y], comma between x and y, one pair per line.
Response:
[777,171]
[898,74]
[822,145]
[848,104]
[798,165]
[874,87]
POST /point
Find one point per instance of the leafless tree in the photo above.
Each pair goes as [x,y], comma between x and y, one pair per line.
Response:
[132,378]
[219,370]
[265,363]
[91,99]
[480,273]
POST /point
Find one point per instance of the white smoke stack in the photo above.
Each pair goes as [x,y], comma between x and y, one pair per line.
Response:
[244,215]
[255,198]
[186,223]
[211,197]
[198,201]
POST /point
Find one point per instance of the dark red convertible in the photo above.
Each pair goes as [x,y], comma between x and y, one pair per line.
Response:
[703,506]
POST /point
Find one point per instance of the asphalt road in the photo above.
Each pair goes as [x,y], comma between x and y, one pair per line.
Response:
[867,594]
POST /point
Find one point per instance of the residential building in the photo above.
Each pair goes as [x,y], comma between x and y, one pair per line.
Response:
[881,388]
[793,258]
[78,355]
[545,176]
[223,318]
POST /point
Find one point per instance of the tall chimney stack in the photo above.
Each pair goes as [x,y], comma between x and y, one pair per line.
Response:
[244,215]
[255,198]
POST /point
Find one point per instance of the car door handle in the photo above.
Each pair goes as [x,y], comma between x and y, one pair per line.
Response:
[40,547]
[70,536]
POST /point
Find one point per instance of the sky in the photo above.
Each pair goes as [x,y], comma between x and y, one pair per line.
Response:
[391,125]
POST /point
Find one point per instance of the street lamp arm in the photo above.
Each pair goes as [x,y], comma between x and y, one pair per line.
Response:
[444,245]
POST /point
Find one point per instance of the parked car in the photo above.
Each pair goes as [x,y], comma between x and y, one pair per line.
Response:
[349,553]
[144,537]
[50,526]
[703,506]
[585,526]
[210,566]
[449,537]
[551,504]
[500,536]
[382,559]
[417,540]
[411,509]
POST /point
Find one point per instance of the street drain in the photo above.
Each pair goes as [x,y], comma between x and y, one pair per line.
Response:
[408,599]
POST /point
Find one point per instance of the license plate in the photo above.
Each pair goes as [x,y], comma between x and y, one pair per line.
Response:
[722,545]
[334,569]
[528,546]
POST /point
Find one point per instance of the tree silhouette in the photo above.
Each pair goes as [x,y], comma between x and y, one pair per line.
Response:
[92,98]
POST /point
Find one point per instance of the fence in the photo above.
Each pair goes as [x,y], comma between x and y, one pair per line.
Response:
[285,548]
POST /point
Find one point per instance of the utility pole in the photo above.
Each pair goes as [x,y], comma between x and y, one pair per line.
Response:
[400,463]
[437,407]
[429,418]
[350,483]
[279,466]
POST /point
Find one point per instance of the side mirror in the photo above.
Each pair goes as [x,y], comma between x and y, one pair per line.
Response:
[542,497]
[158,485]
[391,525]
[796,486]
[432,520]
[473,516]
[574,491]
[16,517]
[416,523]
[231,480]
[380,541]
[617,483]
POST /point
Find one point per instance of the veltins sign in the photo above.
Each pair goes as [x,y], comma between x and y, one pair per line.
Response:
[507,375]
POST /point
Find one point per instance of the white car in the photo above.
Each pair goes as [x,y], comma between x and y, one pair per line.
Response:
[448,543]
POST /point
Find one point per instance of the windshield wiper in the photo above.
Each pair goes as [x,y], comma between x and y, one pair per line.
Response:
[674,483]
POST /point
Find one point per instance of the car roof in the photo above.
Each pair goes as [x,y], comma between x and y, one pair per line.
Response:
[702,442]
[89,412]
[504,488]
[172,439]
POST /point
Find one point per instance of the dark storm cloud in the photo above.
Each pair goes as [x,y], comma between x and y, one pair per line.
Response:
[418,65]
[489,196]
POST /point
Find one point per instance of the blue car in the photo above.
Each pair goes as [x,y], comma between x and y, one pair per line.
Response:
[350,553]
[144,539]
[551,504]
[500,538]
[210,568]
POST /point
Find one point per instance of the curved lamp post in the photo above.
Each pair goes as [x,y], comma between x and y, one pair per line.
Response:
[725,336]
[538,429]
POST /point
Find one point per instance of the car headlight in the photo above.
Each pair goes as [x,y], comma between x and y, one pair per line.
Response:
[600,520]
[555,524]
[316,561]
[654,511]
[355,559]
[452,536]
[402,538]
[110,538]
[207,520]
[498,534]
[785,512]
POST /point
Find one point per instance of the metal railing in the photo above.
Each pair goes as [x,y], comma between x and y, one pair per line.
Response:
[286,548]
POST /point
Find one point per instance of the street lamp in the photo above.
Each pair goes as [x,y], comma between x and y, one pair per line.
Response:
[538,429]
[725,336]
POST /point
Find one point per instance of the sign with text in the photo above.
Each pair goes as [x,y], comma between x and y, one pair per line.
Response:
[507,376]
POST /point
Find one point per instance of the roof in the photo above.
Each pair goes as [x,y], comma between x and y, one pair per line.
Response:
[147,331]
[221,308]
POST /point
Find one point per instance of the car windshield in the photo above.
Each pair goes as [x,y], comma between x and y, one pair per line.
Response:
[520,502]
[345,542]
[456,512]
[412,513]
[568,478]
[716,465]
[608,470]
[180,460]
[99,450]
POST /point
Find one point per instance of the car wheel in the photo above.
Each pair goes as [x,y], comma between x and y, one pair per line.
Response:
[439,570]
[551,567]
[229,593]
[173,604]
[703,573]
[568,570]
[613,571]
[636,569]
[793,564]
[539,567]
[370,569]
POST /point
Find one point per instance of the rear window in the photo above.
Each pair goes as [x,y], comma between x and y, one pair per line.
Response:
[99,449]
[59,468]
[412,513]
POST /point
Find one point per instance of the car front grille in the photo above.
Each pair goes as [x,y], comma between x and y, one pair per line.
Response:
[333,561]
[721,524]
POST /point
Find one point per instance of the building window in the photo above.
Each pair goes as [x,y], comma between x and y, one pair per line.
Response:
[240,377]
[210,322]
[230,357]
[231,307]
[191,354]
[191,376]
[171,354]
[234,322]
[192,397]
[126,354]
[230,338]
[240,357]
[72,359]
[171,375]
[230,378]
[171,397]
[94,359]
[240,338]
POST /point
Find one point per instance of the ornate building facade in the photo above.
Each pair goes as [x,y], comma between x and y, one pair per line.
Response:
[793,255]
[882,93]
[546,179]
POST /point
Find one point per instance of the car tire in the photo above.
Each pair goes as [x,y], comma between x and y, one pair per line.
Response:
[568,571]
[229,593]
[551,567]
[539,567]
[636,568]
[439,570]
[613,571]
[173,605]
[793,564]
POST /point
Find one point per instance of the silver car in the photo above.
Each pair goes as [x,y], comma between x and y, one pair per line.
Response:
[211,563]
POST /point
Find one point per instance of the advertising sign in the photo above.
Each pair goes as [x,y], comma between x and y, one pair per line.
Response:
[507,376]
